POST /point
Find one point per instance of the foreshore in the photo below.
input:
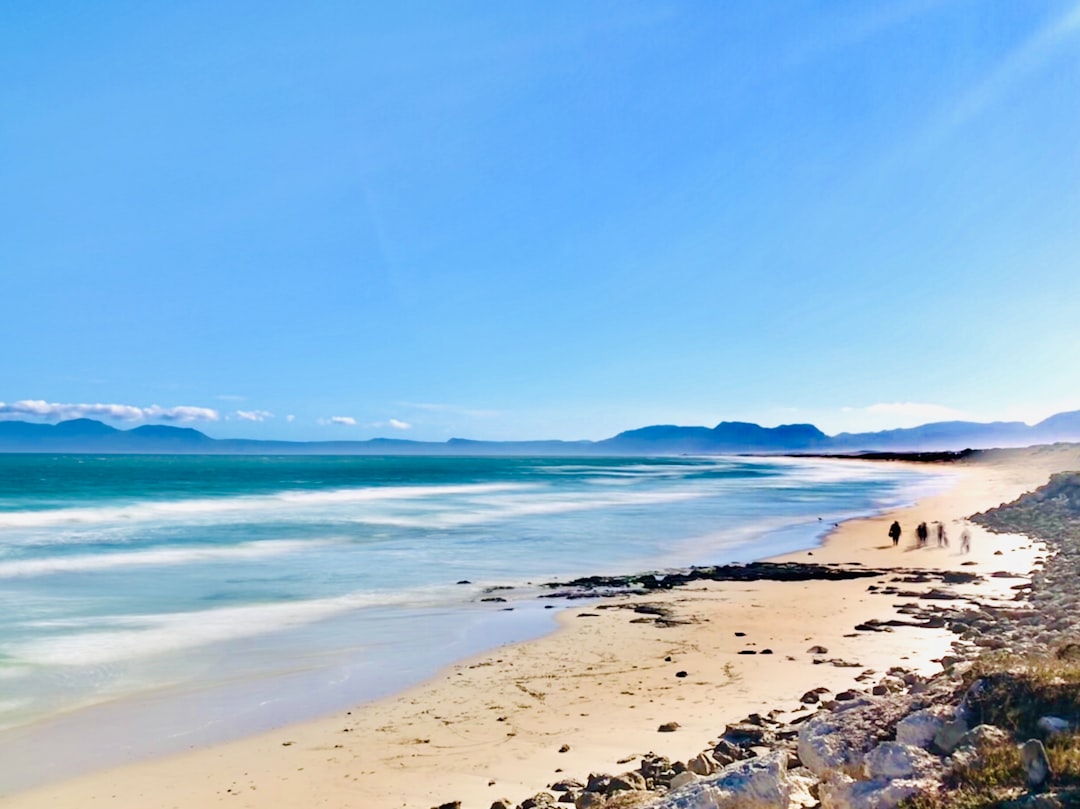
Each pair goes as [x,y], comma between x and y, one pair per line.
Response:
[592,696]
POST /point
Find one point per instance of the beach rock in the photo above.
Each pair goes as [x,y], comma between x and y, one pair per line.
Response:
[567,785]
[1036,764]
[681,780]
[758,784]
[668,727]
[837,741]
[628,781]
[450,805]
[726,753]
[702,764]
[842,792]
[920,728]
[891,760]
[598,782]
[566,797]
[538,801]
[1053,726]
[810,697]
[654,767]
[983,736]
[502,803]
[950,734]
[746,734]
[589,800]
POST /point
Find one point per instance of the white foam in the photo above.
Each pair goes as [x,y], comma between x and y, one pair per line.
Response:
[219,508]
[155,557]
[136,636]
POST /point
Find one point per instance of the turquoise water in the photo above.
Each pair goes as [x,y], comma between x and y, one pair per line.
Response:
[228,581]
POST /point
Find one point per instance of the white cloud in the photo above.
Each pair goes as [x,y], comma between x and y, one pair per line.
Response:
[290,418]
[399,425]
[346,421]
[254,415]
[37,408]
[231,397]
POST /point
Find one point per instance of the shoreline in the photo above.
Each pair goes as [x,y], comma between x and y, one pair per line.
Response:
[600,685]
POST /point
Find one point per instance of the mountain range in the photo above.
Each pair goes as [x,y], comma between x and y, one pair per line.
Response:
[88,435]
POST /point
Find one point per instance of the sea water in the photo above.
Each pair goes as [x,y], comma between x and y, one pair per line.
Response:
[177,600]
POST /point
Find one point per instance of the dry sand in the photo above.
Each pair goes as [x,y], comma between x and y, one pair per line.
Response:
[493,727]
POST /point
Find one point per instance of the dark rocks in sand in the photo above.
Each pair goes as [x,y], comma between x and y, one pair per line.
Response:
[502,803]
[740,634]
[567,785]
[564,749]
[589,800]
[538,801]
[810,698]
[668,727]
[817,650]
[747,734]
[754,571]
[726,752]
[496,599]
[747,652]
[450,805]
[680,674]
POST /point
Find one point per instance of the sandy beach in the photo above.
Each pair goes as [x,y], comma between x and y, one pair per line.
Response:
[591,696]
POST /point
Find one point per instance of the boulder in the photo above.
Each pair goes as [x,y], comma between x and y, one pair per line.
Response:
[682,779]
[539,801]
[948,736]
[567,785]
[920,728]
[841,792]
[589,800]
[760,783]
[892,760]
[702,764]
[983,735]
[628,781]
[1036,764]
[1053,726]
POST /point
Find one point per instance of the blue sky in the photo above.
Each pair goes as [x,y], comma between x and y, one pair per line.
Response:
[538,220]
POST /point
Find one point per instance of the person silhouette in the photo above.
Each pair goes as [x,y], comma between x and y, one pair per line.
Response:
[922,532]
[894,532]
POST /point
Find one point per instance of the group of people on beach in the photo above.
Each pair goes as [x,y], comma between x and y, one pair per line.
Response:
[922,534]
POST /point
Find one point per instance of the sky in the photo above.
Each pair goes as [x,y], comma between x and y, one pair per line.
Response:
[340,220]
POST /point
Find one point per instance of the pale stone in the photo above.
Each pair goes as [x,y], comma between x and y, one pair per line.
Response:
[890,760]
[919,728]
[949,735]
[702,764]
[1053,725]
[982,735]
[842,792]
[1036,764]
[759,783]
[682,779]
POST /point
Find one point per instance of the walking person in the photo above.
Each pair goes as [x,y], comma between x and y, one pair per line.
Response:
[922,533]
[894,533]
[965,541]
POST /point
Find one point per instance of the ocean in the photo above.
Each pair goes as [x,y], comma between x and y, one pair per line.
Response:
[181,600]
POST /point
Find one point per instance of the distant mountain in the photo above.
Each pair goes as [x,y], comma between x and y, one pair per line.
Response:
[87,435]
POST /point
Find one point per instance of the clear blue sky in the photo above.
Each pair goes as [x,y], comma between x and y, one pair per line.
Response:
[538,220]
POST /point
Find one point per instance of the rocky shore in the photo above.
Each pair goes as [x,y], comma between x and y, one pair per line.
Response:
[996,727]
